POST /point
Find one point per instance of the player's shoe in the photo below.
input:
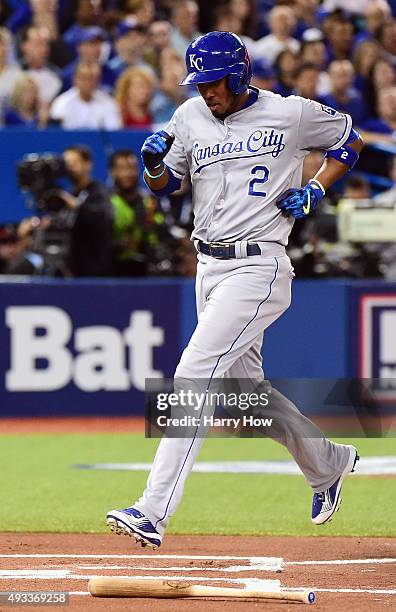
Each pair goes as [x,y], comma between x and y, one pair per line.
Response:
[132,522]
[327,502]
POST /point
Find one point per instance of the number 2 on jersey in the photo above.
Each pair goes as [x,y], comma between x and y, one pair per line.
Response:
[261,174]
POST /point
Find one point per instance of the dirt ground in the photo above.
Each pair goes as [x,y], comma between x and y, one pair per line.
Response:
[66,425]
[354,574]
[122,424]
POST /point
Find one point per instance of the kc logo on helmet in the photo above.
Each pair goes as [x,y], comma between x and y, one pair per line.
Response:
[196,62]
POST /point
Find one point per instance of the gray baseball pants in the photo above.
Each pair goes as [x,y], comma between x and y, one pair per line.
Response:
[237,299]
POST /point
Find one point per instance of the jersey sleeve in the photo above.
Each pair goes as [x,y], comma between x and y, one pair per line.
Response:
[176,159]
[322,127]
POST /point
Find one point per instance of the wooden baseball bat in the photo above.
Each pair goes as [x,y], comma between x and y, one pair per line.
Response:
[111,586]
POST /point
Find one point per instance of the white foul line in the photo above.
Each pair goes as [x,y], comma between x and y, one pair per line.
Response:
[231,569]
[373,591]
[342,562]
[262,562]
[153,555]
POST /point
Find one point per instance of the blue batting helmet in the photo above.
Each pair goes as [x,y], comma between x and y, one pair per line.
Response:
[216,55]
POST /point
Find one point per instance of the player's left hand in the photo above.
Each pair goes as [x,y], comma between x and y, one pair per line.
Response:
[299,203]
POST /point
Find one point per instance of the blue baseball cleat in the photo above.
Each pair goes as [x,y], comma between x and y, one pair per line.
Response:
[132,522]
[327,502]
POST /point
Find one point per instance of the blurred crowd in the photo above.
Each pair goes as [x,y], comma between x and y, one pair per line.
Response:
[116,64]
[109,64]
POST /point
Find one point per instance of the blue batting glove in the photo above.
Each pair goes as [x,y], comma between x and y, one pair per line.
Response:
[154,149]
[299,203]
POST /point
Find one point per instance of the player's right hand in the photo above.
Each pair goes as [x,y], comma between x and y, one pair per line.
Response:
[155,147]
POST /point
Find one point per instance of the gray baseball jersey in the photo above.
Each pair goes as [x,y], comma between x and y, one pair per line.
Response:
[240,167]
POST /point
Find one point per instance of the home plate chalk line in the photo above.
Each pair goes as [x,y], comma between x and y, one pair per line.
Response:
[245,564]
[265,563]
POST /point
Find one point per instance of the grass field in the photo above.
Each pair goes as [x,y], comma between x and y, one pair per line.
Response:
[41,491]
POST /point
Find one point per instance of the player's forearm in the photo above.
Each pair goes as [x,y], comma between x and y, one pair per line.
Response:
[165,184]
[332,170]
[159,178]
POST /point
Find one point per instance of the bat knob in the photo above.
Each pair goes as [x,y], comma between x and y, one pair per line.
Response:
[311,597]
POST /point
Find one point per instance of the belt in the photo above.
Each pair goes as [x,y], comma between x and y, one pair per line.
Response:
[225,250]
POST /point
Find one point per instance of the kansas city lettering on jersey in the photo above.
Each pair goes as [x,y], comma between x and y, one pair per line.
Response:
[259,139]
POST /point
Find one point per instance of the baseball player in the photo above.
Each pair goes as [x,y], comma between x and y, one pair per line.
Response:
[243,149]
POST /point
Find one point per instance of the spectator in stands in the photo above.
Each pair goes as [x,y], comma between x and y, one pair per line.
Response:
[25,109]
[386,122]
[227,21]
[84,106]
[384,74]
[245,12]
[378,13]
[263,75]
[91,241]
[343,96]
[356,187]
[129,40]
[89,47]
[142,10]
[285,68]
[159,38]
[282,22]
[306,81]
[89,44]
[365,56]
[35,48]
[387,39]
[138,221]
[307,15]
[134,92]
[358,7]
[160,35]
[9,71]
[381,74]
[22,257]
[45,14]
[88,13]
[169,95]
[388,197]
[340,37]
[313,51]
[184,19]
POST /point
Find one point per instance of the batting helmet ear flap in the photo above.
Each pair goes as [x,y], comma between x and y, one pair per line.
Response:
[238,81]
[240,75]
